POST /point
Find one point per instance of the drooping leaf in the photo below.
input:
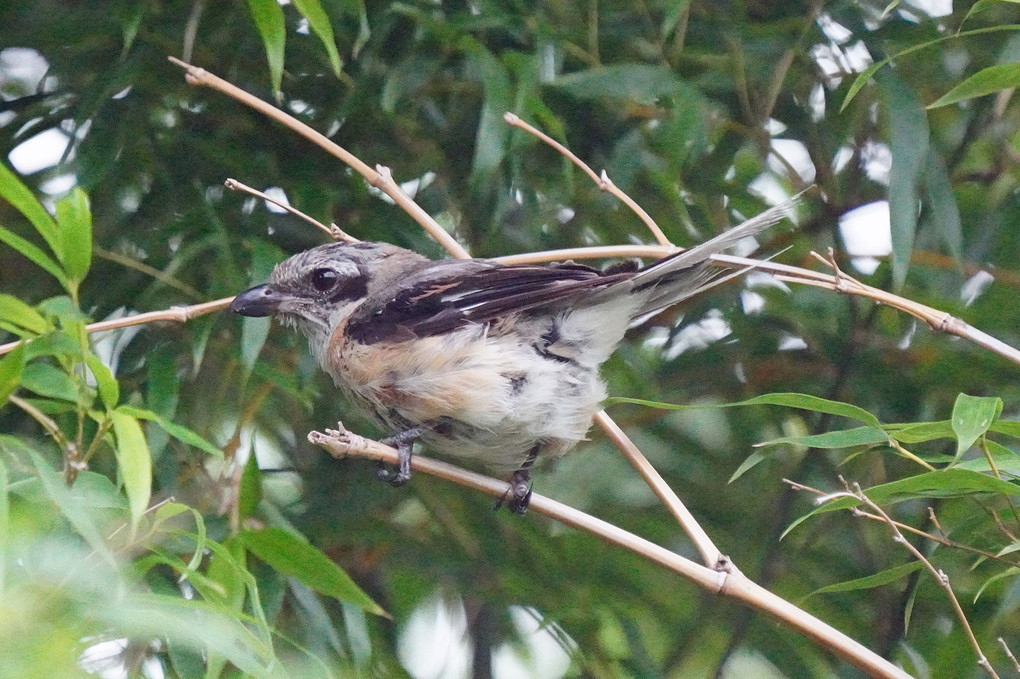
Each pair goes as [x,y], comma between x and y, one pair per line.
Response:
[944,213]
[318,21]
[33,254]
[972,416]
[908,143]
[268,16]
[17,194]
[106,383]
[294,556]
[179,432]
[133,462]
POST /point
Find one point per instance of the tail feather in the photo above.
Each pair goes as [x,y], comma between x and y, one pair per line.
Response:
[686,273]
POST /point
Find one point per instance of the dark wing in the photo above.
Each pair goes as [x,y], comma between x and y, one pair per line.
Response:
[451,294]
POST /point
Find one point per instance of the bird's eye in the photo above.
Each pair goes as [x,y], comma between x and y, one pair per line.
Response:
[324,280]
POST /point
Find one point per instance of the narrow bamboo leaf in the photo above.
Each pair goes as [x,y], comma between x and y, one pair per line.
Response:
[1010,573]
[33,254]
[45,380]
[908,143]
[870,582]
[11,368]
[318,21]
[868,73]
[919,432]
[17,194]
[860,436]
[982,5]
[1007,427]
[641,83]
[17,312]
[749,463]
[791,400]
[985,81]
[943,211]
[268,16]
[75,222]
[493,133]
[179,432]
[294,556]
[249,493]
[947,483]
[1005,460]
[109,388]
[972,416]
[134,463]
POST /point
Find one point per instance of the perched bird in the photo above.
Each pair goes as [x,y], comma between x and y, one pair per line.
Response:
[475,359]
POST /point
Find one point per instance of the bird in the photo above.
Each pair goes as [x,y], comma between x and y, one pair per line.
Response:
[474,359]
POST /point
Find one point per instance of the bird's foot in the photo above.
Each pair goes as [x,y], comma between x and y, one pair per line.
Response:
[404,443]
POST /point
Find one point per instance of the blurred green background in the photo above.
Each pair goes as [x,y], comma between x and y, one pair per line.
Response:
[705,112]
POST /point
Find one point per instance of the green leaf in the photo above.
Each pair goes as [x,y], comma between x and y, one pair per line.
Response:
[11,368]
[249,493]
[985,81]
[45,380]
[791,400]
[33,254]
[69,506]
[982,5]
[17,194]
[15,311]
[75,222]
[972,416]
[943,211]
[268,16]
[919,432]
[908,143]
[293,556]
[869,72]
[179,432]
[134,463]
[860,436]
[109,388]
[493,133]
[319,23]
[1007,427]
[870,582]
[641,83]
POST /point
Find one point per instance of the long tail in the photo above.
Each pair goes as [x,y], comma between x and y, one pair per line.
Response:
[686,273]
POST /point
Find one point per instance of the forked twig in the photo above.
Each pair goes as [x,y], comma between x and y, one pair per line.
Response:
[855,493]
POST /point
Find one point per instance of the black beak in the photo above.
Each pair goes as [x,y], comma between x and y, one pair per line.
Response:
[259,301]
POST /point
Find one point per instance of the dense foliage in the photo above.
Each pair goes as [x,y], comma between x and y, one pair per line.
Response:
[160,510]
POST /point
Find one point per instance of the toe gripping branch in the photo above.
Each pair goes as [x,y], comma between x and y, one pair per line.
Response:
[404,443]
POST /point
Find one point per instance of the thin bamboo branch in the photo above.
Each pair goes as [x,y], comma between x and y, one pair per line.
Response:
[341,443]
[601,180]
[940,576]
[380,177]
[180,314]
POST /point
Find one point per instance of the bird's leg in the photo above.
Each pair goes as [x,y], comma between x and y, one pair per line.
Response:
[403,442]
[519,492]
